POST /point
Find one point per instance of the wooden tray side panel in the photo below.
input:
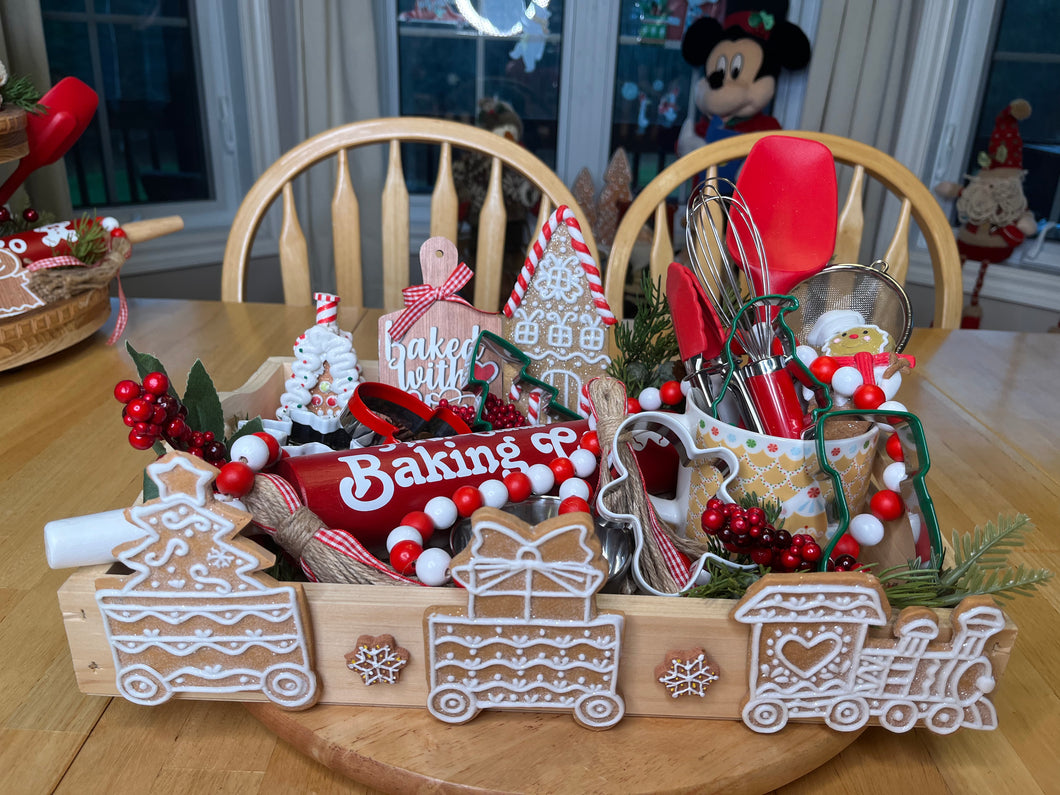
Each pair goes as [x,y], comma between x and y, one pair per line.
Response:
[339,614]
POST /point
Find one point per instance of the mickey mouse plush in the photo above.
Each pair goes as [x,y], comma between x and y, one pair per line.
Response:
[741,59]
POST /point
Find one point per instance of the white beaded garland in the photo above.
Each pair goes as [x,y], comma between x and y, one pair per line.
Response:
[893,475]
[806,354]
[889,405]
[650,399]
[253,450]
[432,566]
[541,477]
[584,461]
[402,533]
[574,487]
[495,493]
[846,380]
[442,511]
[890,385]
[866,529]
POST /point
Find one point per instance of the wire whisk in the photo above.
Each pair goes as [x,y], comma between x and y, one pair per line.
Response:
[720,234]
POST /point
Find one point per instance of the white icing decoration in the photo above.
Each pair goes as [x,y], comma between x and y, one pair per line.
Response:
[318,346]
[811,658]
[146,622]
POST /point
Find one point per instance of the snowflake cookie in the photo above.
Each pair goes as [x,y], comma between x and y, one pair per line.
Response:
[378,659]
[686,672]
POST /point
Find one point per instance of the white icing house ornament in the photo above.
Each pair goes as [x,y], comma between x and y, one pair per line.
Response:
[325,372]
[557,314]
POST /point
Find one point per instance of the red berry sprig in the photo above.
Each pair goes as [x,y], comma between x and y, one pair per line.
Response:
[749,531]
[154,414]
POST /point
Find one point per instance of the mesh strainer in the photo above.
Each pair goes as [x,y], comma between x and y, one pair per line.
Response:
[866,289]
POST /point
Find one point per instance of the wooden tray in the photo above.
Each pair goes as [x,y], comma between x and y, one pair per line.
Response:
[41,332]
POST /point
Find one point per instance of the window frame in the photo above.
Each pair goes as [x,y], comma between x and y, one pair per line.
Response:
[954,45]
[227,39]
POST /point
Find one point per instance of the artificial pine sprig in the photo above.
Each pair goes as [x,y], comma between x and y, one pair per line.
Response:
[20,92]
[980,567]
[725,582]
[648,345]
[91,244]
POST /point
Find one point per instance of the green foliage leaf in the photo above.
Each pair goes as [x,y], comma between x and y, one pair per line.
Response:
[204,407]
[150,488]
[251,426]
[145,362]
[647,347]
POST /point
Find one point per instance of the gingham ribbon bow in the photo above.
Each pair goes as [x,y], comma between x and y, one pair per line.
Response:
[420,297]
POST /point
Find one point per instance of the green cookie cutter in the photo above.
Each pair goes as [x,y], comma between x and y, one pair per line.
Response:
[914,490]
[500,347]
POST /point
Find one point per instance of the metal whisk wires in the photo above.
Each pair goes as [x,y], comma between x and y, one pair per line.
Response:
[718,230]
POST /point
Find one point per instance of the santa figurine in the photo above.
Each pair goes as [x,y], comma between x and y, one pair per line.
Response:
[992,207]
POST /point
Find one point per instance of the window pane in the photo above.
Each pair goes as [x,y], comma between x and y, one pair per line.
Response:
[146,142]
[447,65]
[652,83]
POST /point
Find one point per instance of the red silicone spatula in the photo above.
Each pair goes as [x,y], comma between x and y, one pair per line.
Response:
[70,105]
[788,185]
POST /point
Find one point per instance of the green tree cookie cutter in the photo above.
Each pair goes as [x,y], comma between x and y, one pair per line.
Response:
[487,341]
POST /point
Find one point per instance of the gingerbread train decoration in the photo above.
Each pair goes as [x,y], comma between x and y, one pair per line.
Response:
[410,580]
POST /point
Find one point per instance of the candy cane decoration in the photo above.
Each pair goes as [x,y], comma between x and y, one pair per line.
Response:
[327,309]
[533,408]
[562,215]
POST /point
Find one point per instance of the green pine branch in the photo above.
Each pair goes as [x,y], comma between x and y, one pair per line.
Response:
[20,92]
[648,346]
[980,568]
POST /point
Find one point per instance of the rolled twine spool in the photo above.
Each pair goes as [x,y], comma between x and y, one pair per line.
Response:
[661,563]
[57,284]
[325,554]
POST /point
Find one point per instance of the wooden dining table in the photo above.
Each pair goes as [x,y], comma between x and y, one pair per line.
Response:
[987,401]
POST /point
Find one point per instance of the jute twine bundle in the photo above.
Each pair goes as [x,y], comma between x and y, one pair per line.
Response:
[608,398]
[325,554]
[57,284]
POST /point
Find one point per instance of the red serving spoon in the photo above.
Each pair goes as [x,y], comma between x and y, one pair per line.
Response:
[69,107]
[788,185]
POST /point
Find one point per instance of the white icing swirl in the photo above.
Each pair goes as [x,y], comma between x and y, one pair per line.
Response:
[320,345]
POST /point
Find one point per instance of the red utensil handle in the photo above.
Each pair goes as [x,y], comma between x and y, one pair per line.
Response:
[777,403]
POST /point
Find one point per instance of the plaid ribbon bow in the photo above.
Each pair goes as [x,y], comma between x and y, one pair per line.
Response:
[420,297]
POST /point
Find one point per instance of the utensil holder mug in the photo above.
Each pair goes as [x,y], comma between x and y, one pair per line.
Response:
[773,467]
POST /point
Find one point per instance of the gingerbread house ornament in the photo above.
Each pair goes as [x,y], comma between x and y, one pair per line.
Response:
[557,314]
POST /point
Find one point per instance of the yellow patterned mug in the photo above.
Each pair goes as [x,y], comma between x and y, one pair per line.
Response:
[782,469]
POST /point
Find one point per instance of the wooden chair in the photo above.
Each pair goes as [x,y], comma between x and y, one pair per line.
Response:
[294,260]
[916,202]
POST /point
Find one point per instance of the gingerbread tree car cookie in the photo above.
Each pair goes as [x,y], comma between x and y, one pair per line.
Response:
[195,616]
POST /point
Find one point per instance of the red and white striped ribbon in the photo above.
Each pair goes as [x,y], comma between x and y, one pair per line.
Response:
[562,215]
[338,540]
[420,297]
[60,261]
[327,309]
[68,261]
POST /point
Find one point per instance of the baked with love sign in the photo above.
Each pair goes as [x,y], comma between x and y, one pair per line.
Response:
[425,349]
